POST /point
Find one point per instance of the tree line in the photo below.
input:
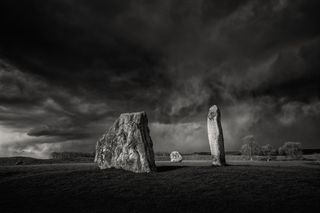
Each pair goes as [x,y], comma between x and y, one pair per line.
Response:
[251,148]
[71,155]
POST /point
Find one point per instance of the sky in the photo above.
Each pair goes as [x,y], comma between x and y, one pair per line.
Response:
[69,68]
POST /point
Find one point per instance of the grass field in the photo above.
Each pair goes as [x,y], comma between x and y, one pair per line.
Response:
[193,186]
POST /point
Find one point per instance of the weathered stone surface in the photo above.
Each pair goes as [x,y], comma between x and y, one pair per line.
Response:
[215,136]
[127,145]
[175,157]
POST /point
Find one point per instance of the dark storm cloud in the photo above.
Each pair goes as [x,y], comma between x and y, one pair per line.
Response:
[36,115]
[81,63]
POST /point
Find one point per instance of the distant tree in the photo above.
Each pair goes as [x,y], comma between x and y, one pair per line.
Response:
[268,150]
[292,149]
[281,151]
[250,147]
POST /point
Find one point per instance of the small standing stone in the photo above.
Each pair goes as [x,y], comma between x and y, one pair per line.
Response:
[127,145]
[215,136]
[175,157]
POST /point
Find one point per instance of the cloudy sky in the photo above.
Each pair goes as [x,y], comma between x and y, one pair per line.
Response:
[68,68]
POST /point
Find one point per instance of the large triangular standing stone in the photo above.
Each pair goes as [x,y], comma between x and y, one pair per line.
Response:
[215,136]
[127,145]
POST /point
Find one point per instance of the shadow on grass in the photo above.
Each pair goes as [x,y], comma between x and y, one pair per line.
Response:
[168,168]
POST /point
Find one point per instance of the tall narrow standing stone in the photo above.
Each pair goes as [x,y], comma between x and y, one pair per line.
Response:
[215,136]
[127,145]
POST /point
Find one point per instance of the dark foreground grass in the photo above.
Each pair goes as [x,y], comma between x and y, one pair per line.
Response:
[85,188]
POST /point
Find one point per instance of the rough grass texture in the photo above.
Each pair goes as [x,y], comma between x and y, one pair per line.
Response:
[85,188]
